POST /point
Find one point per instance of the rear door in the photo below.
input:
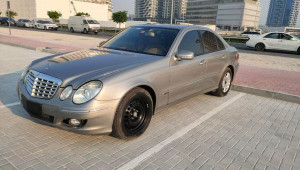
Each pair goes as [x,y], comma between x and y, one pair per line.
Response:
[272,41]
[217,57]
[288,42]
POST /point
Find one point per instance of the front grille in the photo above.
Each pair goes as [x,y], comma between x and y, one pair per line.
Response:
[40,85]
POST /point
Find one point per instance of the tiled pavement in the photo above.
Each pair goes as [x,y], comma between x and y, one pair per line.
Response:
[262,78]
[251,133]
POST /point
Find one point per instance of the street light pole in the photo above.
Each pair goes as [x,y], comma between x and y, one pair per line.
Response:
[8,14]
[172,8]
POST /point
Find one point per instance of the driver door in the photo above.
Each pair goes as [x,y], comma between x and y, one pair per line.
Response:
[186,75]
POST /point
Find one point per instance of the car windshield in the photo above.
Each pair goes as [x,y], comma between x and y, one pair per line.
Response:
[92,22]
[26,20]
[145,40]
[46,22]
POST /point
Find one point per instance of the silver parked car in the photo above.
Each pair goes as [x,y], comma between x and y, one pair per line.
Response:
[116,88]
[24,23]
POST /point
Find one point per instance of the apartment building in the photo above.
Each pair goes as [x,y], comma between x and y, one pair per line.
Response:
[30,9]
[159,10]
[225,14]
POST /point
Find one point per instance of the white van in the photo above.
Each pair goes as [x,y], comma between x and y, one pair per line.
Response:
[83,24]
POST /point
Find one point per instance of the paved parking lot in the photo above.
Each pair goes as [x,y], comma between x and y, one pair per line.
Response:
[240,131]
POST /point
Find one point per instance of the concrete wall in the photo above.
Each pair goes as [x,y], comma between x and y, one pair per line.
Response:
[25,8]
[31,9]
[238,14]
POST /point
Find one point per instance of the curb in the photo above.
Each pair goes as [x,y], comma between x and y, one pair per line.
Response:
[244,89]
[40,49]
[267,93]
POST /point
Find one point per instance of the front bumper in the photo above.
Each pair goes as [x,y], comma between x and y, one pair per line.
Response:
[94,29]
[52,28]
[97,115]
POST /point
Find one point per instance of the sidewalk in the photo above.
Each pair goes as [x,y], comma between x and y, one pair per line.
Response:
[255,77]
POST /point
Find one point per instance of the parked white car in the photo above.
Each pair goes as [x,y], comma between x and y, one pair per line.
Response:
[46,25]
[83,24]
[275,41]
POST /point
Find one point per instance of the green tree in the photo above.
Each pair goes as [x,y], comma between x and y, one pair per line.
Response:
[11,14]
[54,15]
[120,17]
[82,13]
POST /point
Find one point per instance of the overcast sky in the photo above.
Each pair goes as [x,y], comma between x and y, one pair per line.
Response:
[124,5]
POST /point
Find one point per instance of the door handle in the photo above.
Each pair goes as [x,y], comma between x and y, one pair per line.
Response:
[202,62]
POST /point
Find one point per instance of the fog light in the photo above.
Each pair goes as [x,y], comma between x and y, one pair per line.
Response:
[74,122]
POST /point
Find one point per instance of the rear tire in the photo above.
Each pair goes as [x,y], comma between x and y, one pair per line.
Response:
[71,30]
[298,51]
[260,47]
[133,114]
[224,84]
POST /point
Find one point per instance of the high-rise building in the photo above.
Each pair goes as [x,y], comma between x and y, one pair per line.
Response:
[280,13]
[294,17]
[160,10]
[227,14]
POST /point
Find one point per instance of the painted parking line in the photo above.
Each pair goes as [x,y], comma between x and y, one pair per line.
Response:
[136,161]
[9,105]
[4,73]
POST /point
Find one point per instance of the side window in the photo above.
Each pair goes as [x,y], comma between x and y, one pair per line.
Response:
[220,44]
[209,41]
[191,42]
[286,37]
[84,22]
[272,36]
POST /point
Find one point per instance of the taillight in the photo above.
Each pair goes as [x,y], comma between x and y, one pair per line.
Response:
[238,56]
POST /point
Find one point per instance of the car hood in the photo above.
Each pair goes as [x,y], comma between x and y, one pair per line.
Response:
[78,67]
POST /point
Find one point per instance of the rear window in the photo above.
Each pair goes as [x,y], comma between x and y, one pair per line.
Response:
[209,41]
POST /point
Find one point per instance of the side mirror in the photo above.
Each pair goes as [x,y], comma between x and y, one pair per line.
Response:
[184,55]
[101,43]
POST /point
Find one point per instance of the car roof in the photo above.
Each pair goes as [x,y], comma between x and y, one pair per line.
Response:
[180,27]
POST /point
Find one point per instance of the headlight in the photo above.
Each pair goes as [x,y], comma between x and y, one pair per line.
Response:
[66,93]
[25,72]
[87,92]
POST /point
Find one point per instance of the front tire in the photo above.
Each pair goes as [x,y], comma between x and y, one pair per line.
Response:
[260,47]
[133,115]
[71,30]
[85,31]
[224,84]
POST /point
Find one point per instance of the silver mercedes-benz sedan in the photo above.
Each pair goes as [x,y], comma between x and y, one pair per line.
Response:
[116,88]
